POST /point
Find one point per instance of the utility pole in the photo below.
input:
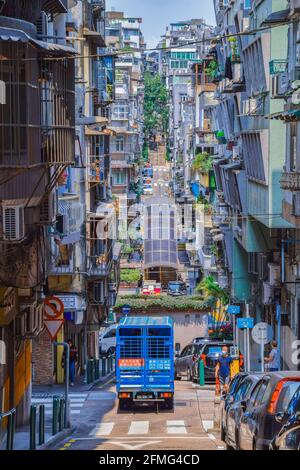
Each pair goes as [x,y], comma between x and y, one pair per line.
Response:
[247,342]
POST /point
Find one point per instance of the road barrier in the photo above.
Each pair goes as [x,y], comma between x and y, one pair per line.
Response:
[41,425]
[201,373]
[97,368]
[10,416]
[32,428]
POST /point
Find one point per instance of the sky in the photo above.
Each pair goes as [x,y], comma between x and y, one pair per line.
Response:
[157,14]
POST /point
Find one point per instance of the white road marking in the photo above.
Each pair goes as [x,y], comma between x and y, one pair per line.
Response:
[139,427]
[176,427]
[133,445]
[102,429]
[212,437]
[207,425]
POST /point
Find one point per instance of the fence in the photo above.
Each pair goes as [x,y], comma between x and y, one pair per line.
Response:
[10,418]
[97,368]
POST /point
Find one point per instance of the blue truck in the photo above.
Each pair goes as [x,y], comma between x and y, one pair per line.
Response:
[145,361]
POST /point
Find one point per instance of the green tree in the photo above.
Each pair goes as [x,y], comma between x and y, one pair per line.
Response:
[203,162]
[156,111]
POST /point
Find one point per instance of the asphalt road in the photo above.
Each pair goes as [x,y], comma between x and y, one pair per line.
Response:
[101,427]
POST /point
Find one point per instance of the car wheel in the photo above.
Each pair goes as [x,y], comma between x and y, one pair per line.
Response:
[176,376]
[188,375]
[254,444]
[237,439]
[229,446]
[223,433]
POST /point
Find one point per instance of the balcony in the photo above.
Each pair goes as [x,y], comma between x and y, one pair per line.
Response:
[207,261]
[290,181]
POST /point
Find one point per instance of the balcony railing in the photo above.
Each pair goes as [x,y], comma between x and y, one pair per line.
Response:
[290,181]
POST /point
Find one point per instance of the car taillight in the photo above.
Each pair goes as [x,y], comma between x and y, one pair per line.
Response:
[241,360]
[276,393]
[203,358]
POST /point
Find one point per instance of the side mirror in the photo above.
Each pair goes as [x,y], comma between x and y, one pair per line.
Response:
[177,354]
[279,417]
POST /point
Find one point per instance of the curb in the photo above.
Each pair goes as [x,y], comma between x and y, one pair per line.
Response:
[58,437]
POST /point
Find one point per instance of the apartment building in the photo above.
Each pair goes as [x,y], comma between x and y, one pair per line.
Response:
[37,129]
[255,123]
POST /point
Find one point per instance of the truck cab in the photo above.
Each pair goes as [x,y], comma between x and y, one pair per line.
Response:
[145,361]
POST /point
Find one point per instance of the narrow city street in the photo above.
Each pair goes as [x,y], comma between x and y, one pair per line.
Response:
[100,426]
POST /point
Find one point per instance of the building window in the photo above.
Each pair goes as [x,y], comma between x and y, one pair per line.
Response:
[119,177]
[253,156]
[120,144]
[293,147]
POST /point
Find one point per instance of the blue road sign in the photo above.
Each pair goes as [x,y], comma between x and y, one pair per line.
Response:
[234,309]
[126,309]
[244,323]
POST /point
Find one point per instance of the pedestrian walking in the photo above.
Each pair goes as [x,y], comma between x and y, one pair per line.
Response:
[72,362]
[273,360]
[222,371]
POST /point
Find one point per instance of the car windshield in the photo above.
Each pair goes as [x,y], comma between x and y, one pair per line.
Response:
[214,350]
[175,286]
[294,405]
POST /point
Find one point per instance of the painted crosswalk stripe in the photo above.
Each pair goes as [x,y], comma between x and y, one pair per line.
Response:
[176,427]
[207,424]
[102,429]
[139,427]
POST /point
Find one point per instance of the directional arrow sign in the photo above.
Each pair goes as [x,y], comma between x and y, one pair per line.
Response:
[53,327]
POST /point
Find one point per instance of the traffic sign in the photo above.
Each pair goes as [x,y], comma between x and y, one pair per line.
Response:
[262,333]
[234,309]
[53,308]
[245,323]
[53,315]
[126,309]
[53,327]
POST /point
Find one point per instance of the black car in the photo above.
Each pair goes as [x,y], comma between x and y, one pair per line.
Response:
[271,395]
[184,362]
[227,400]
[177,288]
[288,437]
[209,354]
[235,410]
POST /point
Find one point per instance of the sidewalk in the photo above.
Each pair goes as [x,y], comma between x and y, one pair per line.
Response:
[44,394]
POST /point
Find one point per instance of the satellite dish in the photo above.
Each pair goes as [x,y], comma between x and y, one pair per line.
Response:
[296,85]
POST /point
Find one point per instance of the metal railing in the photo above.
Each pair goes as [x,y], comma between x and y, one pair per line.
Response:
[10,416]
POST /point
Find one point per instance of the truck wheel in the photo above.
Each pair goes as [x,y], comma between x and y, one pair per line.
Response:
[124,404]
[188,375]
[169,403]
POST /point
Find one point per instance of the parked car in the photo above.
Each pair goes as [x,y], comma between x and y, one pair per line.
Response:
[288,437]
[271,395]
[184,362]
[177,288]
[235,409]
[151,288]
[107,340]
[227,400]
[210,353]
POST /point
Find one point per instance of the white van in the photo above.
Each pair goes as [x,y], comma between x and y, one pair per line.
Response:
[107,340]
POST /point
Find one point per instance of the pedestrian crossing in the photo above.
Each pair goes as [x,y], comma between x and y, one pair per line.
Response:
[77,401]
[138,428]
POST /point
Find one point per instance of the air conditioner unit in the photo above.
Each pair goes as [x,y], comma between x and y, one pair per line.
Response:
[236,152]
[13,223]
[273,274]
[34,320]
[268,297]
[253,105]
[279,85]
[47,210]
[246,107]
[238,75]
